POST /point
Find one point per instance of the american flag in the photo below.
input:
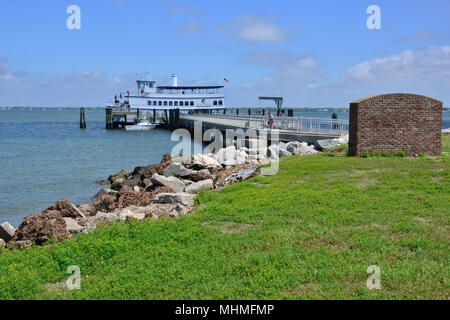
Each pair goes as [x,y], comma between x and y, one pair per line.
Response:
[226,80]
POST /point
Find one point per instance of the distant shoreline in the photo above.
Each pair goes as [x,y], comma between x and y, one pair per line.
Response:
[24,108]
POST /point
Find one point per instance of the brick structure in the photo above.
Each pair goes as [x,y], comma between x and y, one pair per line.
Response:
[396,122]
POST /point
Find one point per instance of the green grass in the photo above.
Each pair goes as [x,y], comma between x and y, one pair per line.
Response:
[309,232]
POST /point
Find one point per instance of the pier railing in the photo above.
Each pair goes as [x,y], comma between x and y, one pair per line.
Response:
[292,124]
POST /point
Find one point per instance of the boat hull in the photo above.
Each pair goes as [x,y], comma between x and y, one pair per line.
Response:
[140,127]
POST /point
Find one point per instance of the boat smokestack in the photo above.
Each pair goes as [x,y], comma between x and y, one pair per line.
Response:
[174,80]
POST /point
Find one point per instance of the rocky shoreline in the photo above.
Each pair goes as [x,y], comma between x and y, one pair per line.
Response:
[160,191]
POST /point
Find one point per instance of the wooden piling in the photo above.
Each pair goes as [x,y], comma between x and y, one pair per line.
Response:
[177,119]
[154,115]
[109,119]
[82,119]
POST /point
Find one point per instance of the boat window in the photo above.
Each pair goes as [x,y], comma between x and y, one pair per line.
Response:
[220,102]
[154,103]
[165,103]
[192,103]
[170,103]
[149,103]
[181,103]
[215,102]
[186,103]
[176,104]
[159,103]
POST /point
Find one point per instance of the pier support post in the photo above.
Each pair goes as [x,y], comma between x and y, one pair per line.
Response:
[249,112]
[171,119]
[237,112]
[154,115]
[263,112]
[290,112]
[109,119]
[82,119]
[138,114]
[177,119]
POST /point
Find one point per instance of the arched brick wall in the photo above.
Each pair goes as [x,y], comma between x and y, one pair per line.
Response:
[396,122]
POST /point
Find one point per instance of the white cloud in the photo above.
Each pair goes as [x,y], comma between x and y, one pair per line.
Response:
[410,67]
[301,81]
[254,29]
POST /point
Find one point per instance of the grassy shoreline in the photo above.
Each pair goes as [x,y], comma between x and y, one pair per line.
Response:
[310,232]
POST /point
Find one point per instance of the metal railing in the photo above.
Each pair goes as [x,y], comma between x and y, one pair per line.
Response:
[292,124]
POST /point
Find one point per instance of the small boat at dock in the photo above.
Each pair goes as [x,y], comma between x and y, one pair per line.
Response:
[143,125]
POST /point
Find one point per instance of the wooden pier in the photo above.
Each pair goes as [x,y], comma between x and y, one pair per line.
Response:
[290,128]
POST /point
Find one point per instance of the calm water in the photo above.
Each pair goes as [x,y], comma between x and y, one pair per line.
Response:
[45,157]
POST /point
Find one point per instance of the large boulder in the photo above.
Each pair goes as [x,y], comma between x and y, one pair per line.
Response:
[182,198]
[40,228]
[177,170]
[122,174]
[117,184]
[283,146]
[138,213]
[6,231]
[308,150]
[239,176]
[169,182]
[88,209]
[109,216]
[149,171]
[199,162]
[104,193]
[131,183]
[327,143]
[166,210]
[230,156]
[72,225]
[294,146]
[140,199]
[274,152]
[197,176]
[199,186]
[66,209]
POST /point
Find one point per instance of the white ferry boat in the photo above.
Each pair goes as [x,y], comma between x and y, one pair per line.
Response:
[152,97]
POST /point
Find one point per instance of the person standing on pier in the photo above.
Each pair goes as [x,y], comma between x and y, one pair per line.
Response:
[334,117]
[270,120]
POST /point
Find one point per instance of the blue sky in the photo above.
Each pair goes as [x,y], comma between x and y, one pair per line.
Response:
[314,53]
